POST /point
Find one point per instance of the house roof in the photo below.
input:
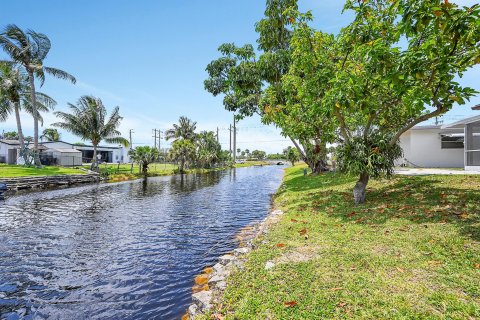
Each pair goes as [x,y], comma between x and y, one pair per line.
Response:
[78,146]
[16,144]
[462,123]
[65,150]
[426,127]
[10,142]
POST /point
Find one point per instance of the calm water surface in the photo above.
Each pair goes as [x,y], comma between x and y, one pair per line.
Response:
[123,251]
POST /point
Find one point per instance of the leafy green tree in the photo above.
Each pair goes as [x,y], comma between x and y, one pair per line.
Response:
[11,135]
[15,96]
[50,134]
[393,67]
[89,120]
[185,129]
[144,156]
[182,151]
[252,85]
[292,155]
[29,49]
[258,154]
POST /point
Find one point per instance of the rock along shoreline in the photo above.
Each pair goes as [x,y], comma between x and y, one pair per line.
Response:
[211,284]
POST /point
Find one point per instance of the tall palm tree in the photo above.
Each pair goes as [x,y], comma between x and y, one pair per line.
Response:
[15,96]
[50,134]
[29,49]
[89,120]
[185,129]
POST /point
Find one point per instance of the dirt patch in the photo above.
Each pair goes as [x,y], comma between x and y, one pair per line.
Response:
[301,254]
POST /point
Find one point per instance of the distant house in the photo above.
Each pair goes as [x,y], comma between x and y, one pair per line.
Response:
[9,152]
[107,154]
[455,145]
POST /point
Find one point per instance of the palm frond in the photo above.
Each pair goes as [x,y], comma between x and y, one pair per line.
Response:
[60,74]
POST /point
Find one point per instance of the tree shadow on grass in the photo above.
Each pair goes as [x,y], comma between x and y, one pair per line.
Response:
[313,182]
[421,200]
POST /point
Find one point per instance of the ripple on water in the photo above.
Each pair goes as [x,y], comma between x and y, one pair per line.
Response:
[122,251]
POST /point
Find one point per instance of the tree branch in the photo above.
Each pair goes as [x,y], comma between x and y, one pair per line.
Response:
[440,109]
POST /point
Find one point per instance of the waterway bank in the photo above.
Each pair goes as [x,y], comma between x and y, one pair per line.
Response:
[410,252]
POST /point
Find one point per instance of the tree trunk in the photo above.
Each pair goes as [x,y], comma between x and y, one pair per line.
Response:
[182,165]
[33,97]
[359,191]
[94,166]
[145,168]
[318,167]
[19,127]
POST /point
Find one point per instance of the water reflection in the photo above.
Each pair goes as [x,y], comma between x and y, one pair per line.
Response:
[122,251]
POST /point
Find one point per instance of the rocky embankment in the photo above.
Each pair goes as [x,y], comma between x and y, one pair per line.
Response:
[211,284]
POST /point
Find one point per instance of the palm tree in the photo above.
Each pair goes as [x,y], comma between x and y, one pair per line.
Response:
[208,148]
[144,156]
[29,49]
[15,95]
[185,129]
[182,151]
[88,120]
[50,134]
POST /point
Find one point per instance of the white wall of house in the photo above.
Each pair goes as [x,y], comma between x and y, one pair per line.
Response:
[423,148]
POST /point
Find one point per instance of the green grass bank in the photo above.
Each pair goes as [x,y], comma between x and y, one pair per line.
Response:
[15,171]
[411,252]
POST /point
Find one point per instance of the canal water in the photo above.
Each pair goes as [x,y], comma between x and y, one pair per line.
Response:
[123,251]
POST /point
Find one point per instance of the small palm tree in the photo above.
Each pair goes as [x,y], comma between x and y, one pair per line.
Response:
[182,151]
[185,129]
[89,120]
[50,134]
[29,49]
[144,156]
[208,149]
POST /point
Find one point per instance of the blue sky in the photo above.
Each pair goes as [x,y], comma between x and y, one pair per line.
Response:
[149,58]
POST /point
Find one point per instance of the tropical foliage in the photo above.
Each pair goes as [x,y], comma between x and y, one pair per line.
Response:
[394,66]
[144,156]
[200,150]
[15,95]
[89,120]
[28,50]
[291,154]
[182,151]
[50,134]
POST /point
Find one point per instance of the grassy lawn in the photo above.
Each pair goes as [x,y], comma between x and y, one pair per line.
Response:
[14,171]
[412,252]
[250,164]
[127,168]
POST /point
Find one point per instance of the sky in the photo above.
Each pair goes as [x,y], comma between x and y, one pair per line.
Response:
[149,58]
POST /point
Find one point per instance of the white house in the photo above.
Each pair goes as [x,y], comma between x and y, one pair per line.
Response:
[455,145]
[9,151]
[432,147]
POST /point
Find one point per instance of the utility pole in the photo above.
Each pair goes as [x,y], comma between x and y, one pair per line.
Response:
[131,143]
[217,136]
[154,138]
[230,141]
[234,139]
[159,138]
